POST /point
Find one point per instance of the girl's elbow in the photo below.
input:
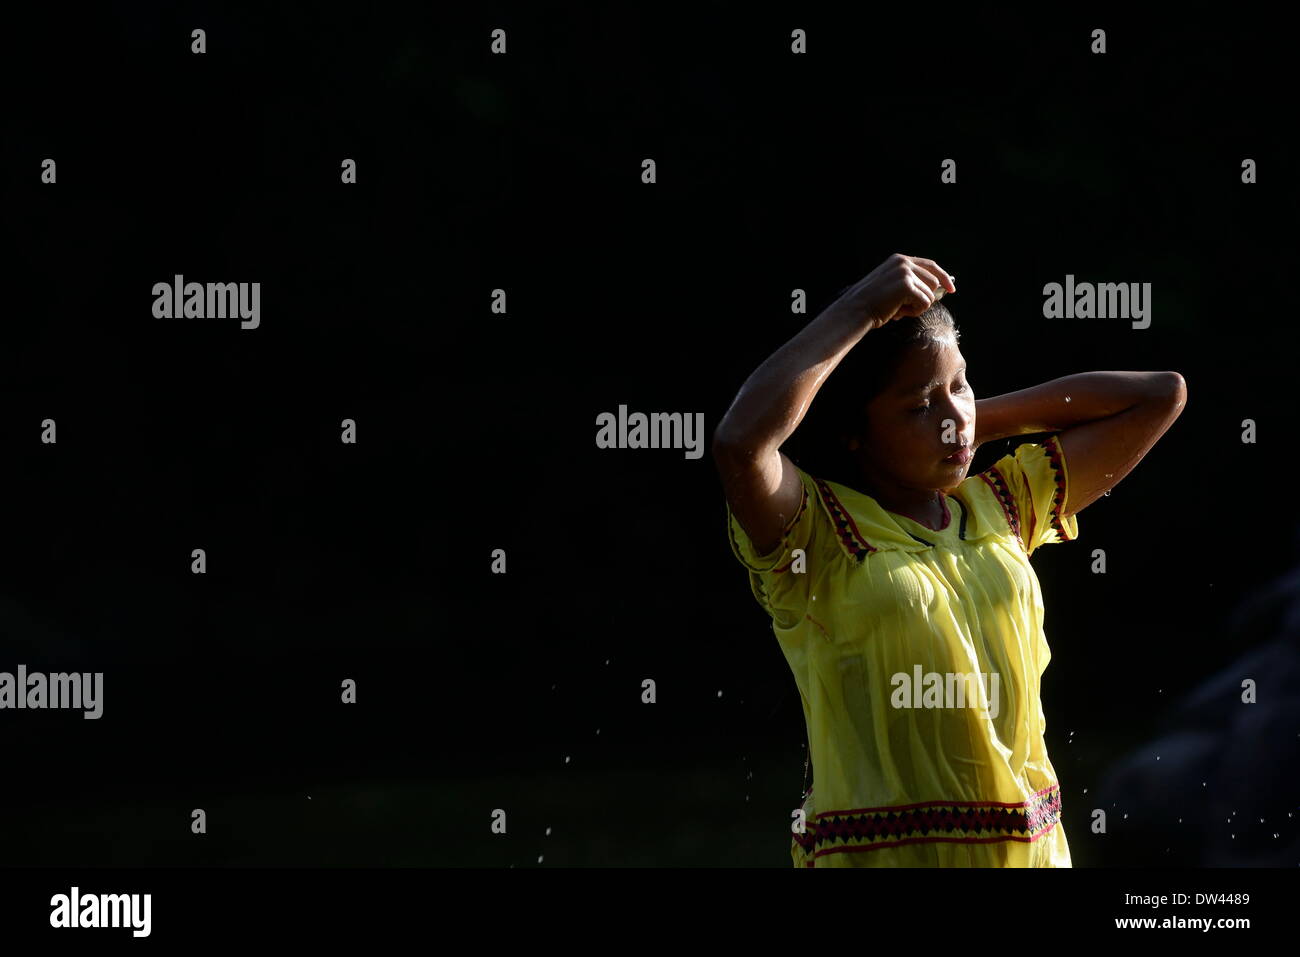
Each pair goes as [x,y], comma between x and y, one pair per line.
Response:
[1179,386]
[1171,388]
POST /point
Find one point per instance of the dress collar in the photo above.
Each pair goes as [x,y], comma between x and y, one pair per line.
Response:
[863,526]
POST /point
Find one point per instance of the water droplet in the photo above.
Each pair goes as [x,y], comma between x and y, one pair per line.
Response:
[1067,398]
[566,759]
[539,858]
[719,694]
[1085,790]
[1157,757]
[1126,817]
[548,832]
[598,730]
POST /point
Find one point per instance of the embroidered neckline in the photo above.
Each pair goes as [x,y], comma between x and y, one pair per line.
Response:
[884,529]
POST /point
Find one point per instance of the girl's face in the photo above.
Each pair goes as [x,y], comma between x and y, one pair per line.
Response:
[907,424]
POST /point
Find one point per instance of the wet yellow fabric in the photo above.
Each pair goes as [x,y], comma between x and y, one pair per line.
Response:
[918,655]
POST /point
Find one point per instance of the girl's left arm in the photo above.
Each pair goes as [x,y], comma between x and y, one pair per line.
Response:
[1107,422]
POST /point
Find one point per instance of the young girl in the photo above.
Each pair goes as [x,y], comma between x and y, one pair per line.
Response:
[903,597]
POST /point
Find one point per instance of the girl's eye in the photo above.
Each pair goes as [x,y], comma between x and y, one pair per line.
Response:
[921,408]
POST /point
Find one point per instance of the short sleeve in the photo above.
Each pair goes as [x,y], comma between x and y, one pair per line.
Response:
[780,586]
[1033,485]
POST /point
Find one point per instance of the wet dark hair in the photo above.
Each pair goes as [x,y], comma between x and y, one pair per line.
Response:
[838,410]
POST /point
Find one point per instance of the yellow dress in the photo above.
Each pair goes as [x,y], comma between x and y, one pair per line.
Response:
[918,655]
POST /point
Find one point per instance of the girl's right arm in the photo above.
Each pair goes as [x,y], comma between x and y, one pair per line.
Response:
[760,482]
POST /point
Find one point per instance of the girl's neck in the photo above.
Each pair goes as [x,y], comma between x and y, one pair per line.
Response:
[925,506]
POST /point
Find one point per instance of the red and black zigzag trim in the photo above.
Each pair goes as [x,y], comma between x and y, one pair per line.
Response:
[998,483]
[961,822]
[803,504]
[850,537]
[1057,458]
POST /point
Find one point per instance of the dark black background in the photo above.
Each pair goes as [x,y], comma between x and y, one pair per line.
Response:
[476,431]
